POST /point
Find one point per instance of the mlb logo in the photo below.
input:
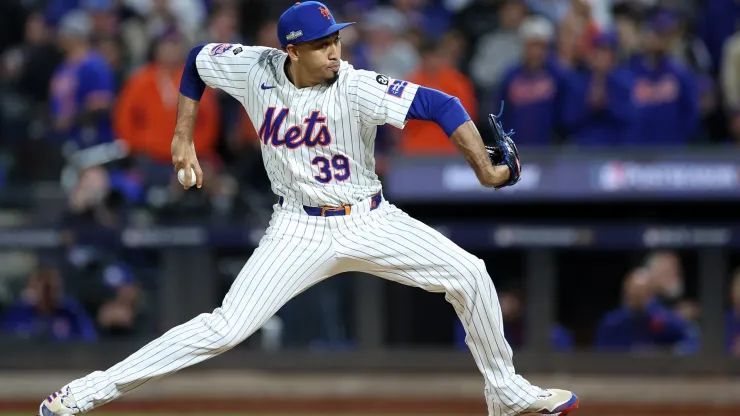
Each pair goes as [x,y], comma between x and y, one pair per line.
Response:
[220,49]
[397,87]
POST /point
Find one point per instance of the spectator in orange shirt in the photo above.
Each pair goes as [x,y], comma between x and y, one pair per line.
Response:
[422,137]
[147,107]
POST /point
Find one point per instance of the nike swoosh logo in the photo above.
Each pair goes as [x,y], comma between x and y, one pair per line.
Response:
[267,87]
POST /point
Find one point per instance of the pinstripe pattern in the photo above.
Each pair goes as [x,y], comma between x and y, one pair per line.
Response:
[353,107]
[397,247]
[299,250]
[385,242]
[270,278]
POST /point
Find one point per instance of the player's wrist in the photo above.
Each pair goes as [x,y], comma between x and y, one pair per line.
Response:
[495,176]
[182,137]
[502,174]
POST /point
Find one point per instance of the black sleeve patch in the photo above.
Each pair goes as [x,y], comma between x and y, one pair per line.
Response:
[382,79]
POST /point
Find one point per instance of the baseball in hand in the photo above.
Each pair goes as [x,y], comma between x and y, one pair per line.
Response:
[181,176]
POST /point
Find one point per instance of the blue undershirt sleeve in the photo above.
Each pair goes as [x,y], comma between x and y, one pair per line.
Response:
[191,85]
[443,109]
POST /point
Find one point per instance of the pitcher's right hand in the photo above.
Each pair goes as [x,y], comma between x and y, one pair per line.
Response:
[183,157]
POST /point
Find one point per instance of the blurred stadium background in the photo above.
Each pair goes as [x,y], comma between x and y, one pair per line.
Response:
[615,257]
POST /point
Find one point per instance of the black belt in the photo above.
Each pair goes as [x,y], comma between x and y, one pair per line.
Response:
[336,211]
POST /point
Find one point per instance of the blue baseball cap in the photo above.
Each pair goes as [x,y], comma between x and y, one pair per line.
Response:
[117,275]
[307,21]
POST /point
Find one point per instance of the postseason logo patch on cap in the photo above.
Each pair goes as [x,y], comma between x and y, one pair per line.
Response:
[294,35]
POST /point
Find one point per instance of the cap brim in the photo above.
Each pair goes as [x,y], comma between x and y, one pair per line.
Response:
[324,33]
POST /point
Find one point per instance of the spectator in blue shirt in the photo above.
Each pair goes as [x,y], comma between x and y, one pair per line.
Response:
[44,313]
[598,107]
[665,91]
[642,323]
[531,90]
[82,88]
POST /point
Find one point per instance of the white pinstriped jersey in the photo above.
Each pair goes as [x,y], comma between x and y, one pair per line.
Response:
[318,143]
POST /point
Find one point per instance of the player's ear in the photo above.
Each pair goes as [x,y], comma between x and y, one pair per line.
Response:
[292,52]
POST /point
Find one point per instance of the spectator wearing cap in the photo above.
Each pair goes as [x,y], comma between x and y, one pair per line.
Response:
[665,91]
[532,90]
[146,110]
[598,106]
[82,87]
[120,315]
[421,137]
[45,313]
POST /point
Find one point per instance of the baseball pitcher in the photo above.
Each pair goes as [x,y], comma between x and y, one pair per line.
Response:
[316,117]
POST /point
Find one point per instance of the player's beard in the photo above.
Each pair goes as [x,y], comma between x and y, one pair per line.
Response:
[333,79]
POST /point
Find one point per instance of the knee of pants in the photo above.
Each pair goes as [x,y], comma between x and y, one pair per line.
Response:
[474,276]
[225,334]
[477,270]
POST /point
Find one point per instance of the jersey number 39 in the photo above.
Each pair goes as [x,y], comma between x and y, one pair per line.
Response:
[337,168]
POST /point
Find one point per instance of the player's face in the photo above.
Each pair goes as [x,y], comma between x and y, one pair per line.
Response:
[319,59]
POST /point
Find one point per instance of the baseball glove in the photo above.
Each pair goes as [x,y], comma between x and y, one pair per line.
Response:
[504,151]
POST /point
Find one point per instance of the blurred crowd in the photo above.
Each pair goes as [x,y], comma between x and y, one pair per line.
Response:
[88,98]
[107,304]
[80,74]
[655,314]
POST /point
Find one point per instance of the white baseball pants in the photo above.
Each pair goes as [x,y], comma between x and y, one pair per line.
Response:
[298,251]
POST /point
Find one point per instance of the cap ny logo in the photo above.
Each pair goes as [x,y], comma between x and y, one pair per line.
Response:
[325,12]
